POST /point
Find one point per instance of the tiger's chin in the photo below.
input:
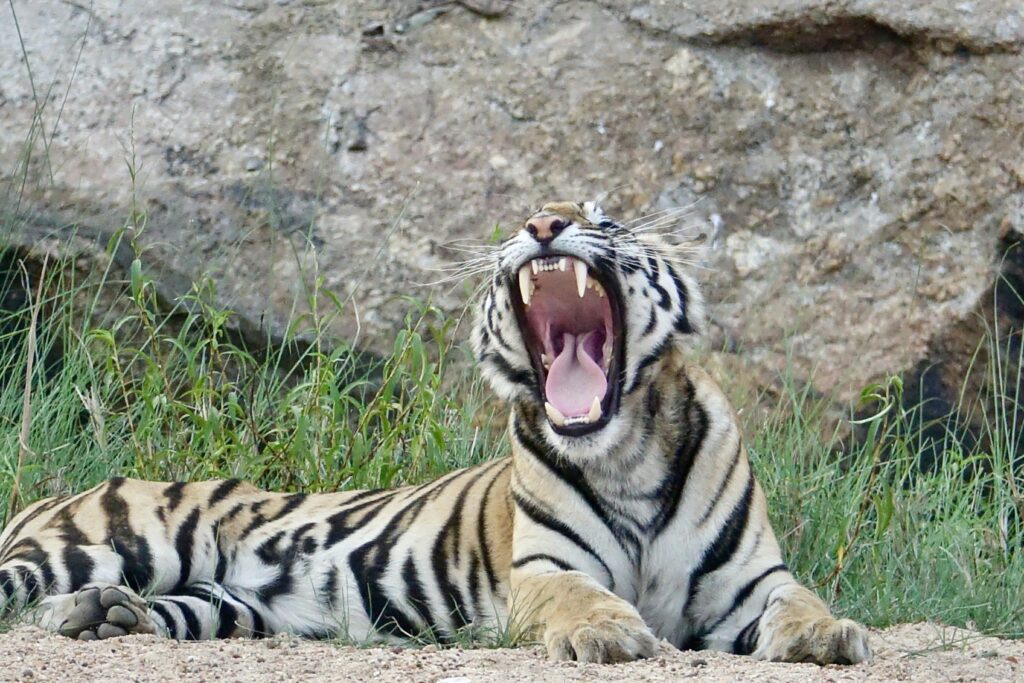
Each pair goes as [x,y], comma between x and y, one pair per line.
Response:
[570,315]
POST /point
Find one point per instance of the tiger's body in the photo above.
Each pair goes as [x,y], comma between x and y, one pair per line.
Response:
[627,512]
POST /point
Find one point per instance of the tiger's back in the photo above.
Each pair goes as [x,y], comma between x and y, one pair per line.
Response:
[316,564]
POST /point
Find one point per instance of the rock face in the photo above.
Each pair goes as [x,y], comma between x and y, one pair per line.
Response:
[850,161]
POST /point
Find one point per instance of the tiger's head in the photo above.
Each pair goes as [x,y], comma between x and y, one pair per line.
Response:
[578,312]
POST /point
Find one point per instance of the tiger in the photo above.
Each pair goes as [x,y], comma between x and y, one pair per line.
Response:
[626,516]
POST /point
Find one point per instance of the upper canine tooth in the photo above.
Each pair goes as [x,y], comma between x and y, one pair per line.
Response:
[525,284]
[595,411]
[581,276]
[554,414]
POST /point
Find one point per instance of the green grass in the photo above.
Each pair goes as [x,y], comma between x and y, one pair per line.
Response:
[172,397]
[884,542]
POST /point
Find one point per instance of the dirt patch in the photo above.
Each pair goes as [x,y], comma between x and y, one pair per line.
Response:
[910,652]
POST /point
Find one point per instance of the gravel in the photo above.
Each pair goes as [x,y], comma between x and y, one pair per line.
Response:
[909,652]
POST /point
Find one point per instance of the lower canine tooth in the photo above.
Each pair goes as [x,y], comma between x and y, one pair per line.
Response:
[545,360]
[554,414]
[595,411]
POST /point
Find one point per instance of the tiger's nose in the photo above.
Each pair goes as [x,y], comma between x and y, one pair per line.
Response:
[545,228]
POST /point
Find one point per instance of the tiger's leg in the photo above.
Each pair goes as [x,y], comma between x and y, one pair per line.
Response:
[797,627]
[200,611]
[579,619]
[746,601]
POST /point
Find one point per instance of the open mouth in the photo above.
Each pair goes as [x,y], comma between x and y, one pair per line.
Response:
[571,321]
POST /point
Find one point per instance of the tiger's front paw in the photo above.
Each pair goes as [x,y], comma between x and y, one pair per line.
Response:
[603,636]
[824,641]
[101,612]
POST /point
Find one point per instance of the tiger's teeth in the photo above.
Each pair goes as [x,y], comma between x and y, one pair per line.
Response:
[535,266]
[581,276]
[563,263]
[595,411]
[545,359]
[525,284]
[554,414]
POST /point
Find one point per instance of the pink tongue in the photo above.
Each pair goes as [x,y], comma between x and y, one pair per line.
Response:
[574,378]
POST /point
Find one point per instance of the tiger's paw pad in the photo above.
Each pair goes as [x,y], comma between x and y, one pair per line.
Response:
[824,641]
[602,639]
[102,612]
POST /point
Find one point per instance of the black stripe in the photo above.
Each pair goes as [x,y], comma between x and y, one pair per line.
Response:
[654,355]
[495,329]
[725,482]
[13,531]
[223,490]
[227,615]
[522,377]
[652,321]
[30,550]
[294,500]
[193,629]
[222,564]
[169,620]
[474,581]
[544,519]
[416,596]
[7,590]
[183,544]
[664,300]
[542,557]
[271,555]
[369,562]
[724,545]
[30,582]
[340,525]
[258,625]
[77,562]
[481,531]
[137,560]
[693,427]
[450,536]
[173,495]
[743,593]
[746,640]
[330,586]
[574,477]
[365,493]
[683,321]
[228,619]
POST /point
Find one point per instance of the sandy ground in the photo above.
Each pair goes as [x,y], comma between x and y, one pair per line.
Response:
[911,652]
